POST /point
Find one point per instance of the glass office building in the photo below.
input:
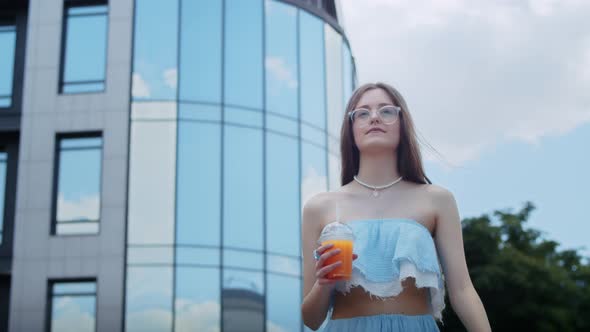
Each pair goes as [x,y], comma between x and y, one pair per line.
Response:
[162,154]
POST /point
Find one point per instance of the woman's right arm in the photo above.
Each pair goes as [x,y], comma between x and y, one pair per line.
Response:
[316,288]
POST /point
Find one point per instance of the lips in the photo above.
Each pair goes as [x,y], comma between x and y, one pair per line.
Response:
[375,129]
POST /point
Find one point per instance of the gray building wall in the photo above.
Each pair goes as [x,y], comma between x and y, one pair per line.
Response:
[39,256]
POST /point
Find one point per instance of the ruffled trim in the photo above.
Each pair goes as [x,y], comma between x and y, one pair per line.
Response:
[382,290]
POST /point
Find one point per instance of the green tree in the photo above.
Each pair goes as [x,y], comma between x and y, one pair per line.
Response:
[524,282]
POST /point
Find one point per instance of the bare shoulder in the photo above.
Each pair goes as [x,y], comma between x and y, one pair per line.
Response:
[434,194]
[442,199]
[437,192]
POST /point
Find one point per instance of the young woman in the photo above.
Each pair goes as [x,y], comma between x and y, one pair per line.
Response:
[408,242]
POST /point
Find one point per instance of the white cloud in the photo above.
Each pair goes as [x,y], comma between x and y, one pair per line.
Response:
[548,7]
[583,65]
[148,320]
[171,77]
[542,7]
[478,73]
[281,71]
[85,207]
[283,265]
[273,327]
[140,87]
[70,318]
[192,316]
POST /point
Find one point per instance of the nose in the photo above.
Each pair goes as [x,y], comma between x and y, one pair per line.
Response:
[373,116]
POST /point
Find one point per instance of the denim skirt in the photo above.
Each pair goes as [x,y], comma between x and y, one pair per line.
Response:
[383,323]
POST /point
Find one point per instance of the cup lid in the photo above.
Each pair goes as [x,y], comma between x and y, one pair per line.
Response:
[336,231]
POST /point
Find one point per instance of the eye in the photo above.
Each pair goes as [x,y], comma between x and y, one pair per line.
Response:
[361,114]
[388,110]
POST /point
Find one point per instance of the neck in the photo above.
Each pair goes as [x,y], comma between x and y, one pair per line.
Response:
[378,169]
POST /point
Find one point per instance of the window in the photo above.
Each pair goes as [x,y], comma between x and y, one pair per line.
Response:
[200,72]
[313,85]
[348,85]
[281,63]
[334,98]
[149,305]
[197,303]
[155,50]
[72,306]
[198,202]
[242,298]
[313,171]
[243,50]
[282,194]
[84,45]
[77,196]
[151,198]
[3,164]
[283,303]
[334,79]
[7,49]
[243,188]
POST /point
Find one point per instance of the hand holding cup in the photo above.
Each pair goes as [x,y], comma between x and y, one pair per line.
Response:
[334,256]
[328,260]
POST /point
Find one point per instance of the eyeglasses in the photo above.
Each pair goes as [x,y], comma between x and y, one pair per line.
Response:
[388,114]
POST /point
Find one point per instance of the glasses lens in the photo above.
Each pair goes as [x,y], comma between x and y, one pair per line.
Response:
[388,114]
[361,115]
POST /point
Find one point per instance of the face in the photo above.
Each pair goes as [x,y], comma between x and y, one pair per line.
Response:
[374,141]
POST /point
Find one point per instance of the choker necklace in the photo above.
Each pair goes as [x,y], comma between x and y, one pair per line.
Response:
[375,192]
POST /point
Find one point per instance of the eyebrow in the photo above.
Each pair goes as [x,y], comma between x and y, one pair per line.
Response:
[380,105]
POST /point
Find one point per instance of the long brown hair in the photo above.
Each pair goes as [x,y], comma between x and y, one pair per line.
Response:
[409,159]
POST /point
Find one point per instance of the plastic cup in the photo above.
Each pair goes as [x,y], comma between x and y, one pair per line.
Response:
[341,235]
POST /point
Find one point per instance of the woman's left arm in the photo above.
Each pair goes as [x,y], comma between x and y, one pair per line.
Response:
[449,242]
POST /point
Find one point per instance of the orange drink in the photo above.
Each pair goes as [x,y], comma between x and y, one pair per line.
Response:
[343,271]
[341,236]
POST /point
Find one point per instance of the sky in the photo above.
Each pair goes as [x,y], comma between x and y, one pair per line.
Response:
[500,90]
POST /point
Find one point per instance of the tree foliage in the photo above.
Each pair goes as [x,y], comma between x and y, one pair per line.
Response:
[523,280]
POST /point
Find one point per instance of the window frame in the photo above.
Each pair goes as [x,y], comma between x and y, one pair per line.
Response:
[8,22]
[9,143]
[4,149]
[67,4]
[56,164]
[49,298]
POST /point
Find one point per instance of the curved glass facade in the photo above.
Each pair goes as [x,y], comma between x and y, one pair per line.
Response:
[234,125]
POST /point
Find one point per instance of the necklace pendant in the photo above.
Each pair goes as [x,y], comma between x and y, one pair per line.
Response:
[375,193]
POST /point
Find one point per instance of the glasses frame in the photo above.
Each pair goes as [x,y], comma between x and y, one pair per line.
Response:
[397,108]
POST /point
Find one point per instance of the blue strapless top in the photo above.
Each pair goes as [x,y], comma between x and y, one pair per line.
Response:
[390,250]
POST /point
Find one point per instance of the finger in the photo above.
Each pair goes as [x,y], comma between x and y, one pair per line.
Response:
[323,248]
[327,255]
[324,270]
